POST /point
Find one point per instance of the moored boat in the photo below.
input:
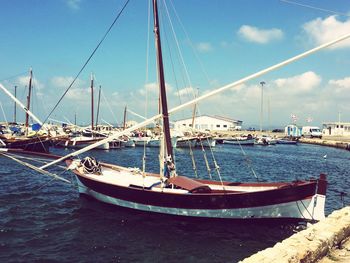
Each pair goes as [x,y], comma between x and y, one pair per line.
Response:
[172,193]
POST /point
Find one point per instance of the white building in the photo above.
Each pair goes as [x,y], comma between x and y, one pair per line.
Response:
[206,122]
[336,128]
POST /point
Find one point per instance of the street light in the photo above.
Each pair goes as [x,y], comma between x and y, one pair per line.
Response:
[262,83]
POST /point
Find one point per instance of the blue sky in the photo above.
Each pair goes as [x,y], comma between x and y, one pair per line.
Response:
[220,41]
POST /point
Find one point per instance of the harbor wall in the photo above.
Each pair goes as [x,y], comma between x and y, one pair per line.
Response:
[311,244]
[327,142]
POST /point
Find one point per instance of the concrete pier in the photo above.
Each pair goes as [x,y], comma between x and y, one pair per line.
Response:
[326,241]
[341,143]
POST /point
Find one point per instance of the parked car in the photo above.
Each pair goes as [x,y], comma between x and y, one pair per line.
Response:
[277,130]
[312,132]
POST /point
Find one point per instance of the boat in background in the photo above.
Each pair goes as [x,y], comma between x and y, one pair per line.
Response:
[287,140]
[240,140]
[265,140]
[27,137]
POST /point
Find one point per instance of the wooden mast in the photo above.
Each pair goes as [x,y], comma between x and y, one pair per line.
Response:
[124,121]
[163,98]
[98,105]
[28,100]
[92,104]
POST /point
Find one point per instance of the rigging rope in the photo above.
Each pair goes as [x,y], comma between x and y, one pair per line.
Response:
[248,161]
[88,60]
[3,112]
[146,80]
[205,156]
[172,63]
[188,90]
[38,160]
[55,176]
[315,8]
[14,76]
[109,106]
[193,160]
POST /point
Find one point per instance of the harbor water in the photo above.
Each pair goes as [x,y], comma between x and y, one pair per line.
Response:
[45,220]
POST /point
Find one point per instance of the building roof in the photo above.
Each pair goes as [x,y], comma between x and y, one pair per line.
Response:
[336,123]
[214,117]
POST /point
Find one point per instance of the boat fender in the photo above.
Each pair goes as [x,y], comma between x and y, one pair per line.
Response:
[91,165]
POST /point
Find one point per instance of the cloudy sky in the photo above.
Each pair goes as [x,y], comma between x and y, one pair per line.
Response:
[206,44]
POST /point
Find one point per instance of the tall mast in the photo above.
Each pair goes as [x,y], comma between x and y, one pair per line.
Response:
[124,122]
[163,99]
[98,105]
[28,99]
[15,107]
[92,103]
[194,110]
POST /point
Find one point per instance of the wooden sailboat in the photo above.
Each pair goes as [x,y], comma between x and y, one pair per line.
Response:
[82,141]
[30,141]
[170,193]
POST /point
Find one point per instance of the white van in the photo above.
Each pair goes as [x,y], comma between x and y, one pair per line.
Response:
[312,132]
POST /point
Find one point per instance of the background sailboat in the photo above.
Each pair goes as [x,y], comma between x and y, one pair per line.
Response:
[25,137]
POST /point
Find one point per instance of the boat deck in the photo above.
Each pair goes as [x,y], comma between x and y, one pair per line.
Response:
[131,177]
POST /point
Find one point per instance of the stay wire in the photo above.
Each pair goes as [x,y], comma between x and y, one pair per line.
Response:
[315,8]
[14,76]
[88,60]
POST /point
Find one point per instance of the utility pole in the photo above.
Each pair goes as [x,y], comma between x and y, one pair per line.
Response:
[15,109]
[262,83]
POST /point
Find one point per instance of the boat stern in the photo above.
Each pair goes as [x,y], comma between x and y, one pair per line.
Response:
[319,199]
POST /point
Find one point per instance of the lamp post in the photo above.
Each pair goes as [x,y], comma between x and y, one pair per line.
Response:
[262,83]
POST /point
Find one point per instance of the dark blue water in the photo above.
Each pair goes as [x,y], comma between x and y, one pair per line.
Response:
[44,220]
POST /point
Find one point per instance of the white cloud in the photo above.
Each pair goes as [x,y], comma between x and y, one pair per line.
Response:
[188,91]
[153,88]
[79,94]
[73,4]
[261,36]
[238,88]
[79,91]
[320,31]
[64,82]
[303,83]
[24,81]
[204,47]
[341,86]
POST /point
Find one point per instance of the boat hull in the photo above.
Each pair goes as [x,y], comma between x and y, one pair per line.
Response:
[37,144]
[240,142]
[290,210]
[299,201]
[81,143]
[291,142]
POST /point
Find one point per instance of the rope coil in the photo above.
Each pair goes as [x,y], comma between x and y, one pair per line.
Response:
[91,166]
